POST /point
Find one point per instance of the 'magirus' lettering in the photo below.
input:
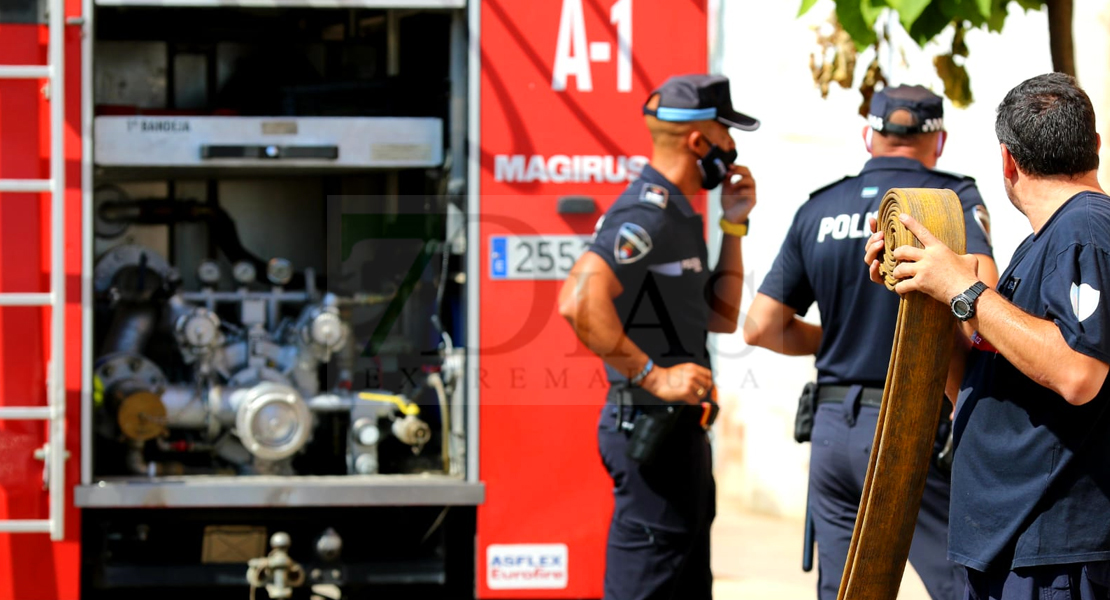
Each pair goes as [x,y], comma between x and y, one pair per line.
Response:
[560,168]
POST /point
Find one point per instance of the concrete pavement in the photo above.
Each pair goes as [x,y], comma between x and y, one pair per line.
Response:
[757,556]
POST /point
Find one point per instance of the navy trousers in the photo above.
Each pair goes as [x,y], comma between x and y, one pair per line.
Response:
[1088,581]
[842,439]
[658,547]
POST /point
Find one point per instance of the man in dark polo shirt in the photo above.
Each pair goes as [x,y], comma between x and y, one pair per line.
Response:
[643,299]
[1030,515]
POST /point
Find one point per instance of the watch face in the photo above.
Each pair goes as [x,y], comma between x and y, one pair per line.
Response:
[961,307]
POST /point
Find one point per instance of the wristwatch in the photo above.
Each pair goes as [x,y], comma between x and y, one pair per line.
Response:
[963,305]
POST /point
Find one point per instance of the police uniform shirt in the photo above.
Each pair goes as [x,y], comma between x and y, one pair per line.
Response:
[1031,473]
[655,243]
[821,261]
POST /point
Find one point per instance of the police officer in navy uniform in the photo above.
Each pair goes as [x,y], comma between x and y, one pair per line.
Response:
[818,263]
[643,298]
[1031,473]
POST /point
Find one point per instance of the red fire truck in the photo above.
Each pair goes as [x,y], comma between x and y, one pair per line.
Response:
[277,284]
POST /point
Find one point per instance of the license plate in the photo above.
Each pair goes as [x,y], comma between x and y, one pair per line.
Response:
[535,256]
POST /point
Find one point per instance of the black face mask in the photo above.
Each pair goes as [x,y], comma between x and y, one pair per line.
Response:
[714,166]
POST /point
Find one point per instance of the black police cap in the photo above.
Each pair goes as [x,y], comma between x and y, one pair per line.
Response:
[685,98]
[926,107]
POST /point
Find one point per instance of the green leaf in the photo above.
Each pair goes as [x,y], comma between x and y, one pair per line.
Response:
[850,15]
[952,7]
[963,10]
[931,22]
[1031,4]
[806,5]
[984,7]
[998,15]
[909,10]
[871,9]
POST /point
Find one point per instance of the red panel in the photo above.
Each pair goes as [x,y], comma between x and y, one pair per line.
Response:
[540,391]
[31,566]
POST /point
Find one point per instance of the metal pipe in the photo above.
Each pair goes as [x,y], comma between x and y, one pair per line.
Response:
[436,382]
[87,117]
[26,526]
[25,299]
[131,329]
[211,295]
[310,282]
[25,72]
[330,403]
[25,185]
[392,43]
[57,370]
[18,413]
[473,235]
[185,409]
[174,309]
[139,465]
[457,360]
[345,359]
[457,110]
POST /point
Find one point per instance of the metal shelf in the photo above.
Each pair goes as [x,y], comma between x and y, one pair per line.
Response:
[381,4]
[268,142]
[408,572]
[269,491]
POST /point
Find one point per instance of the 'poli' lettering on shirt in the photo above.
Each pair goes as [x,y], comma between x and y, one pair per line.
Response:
[845,226]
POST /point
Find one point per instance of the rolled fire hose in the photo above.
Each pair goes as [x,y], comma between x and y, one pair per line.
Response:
[910,409]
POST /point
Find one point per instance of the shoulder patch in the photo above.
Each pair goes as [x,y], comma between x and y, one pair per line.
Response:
[825,187]
[983,220]
[654,194]
[1084,300]
[632,243]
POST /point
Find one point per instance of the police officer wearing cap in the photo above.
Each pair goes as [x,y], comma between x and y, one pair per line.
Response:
[643,299]
[818,262]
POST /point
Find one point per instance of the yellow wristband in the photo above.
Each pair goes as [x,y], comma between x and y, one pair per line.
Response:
[734,229]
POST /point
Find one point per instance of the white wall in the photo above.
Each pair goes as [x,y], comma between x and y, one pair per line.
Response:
[806,142]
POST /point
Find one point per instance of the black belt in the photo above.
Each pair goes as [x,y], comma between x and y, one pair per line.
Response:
[870,396]
[635,397]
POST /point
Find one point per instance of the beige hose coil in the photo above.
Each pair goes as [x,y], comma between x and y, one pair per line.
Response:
[911,405]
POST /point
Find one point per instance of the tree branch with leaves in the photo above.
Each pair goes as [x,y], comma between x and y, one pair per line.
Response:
[856,27]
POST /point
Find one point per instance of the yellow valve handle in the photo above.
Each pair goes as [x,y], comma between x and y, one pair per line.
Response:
[407,408]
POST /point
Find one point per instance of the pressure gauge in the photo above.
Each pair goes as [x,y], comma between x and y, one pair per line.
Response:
[244,272]
[279,271]
[198,329]
[208,272]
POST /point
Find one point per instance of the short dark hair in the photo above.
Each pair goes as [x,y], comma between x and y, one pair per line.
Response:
[1048,124]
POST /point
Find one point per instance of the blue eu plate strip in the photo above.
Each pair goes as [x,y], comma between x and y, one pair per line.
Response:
[498,256]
